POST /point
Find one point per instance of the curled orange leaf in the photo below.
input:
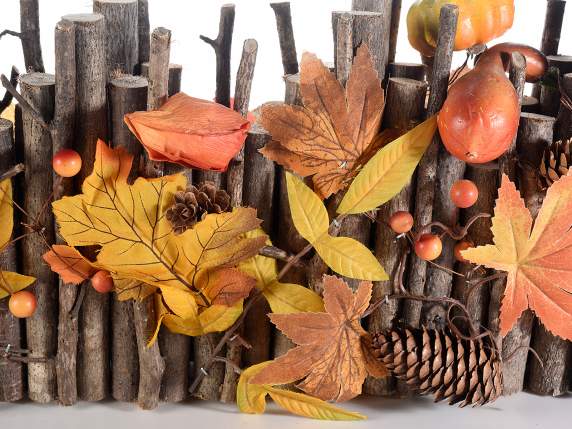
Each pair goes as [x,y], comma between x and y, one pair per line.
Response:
[189,131]
[69,263]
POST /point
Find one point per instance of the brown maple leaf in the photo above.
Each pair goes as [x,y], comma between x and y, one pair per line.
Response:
[325,138]
[329,355]
[538,259]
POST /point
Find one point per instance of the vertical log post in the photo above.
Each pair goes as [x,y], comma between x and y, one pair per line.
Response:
[127,94]
[407,70]
[175,78]
[63,138]
[41,328]
[144,34]
[562,62]
[404,109]
[427,169]
[30,35]
[286,37]
[152,366]
[91,124]
[121,34]
[564,122]
[11,373]
[550,93]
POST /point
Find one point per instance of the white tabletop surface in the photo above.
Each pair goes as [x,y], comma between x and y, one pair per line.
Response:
[522,411]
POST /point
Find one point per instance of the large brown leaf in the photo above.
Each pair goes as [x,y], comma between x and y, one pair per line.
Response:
[325,138]
[329,355]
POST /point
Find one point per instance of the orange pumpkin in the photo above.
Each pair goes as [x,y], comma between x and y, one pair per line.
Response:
[479,118]
[480,21]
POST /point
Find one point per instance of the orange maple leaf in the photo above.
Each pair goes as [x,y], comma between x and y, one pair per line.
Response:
[326,138]
[538,259]
[330,355]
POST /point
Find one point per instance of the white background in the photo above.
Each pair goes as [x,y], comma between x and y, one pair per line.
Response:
[312,27]
[254,19]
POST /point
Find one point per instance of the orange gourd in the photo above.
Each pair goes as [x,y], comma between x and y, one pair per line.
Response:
[480,21]
[479,118]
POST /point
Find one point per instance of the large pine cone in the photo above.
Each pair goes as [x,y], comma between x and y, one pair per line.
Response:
[194,203]
[439,362]
[555,162]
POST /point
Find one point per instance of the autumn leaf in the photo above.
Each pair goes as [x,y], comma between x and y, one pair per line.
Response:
[329,356]
[251,399]
[344,255]
[228,285]
[189,131]
[282,297]
[9,282]
[388,171]
[537,258]
[69,263]
[136,243]
[325,138]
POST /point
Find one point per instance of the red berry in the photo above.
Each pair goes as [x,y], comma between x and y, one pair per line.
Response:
[459,247]
[401,222]
[102,282]
[464,193]
[428,247]
[22,304]
[66,163]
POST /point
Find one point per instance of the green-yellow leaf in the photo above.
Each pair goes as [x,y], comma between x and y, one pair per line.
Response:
[350,258]
[386,173]
[6,212]
[251,399]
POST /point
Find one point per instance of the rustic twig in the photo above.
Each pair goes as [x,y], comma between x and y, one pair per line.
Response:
[24,104]
[8,96]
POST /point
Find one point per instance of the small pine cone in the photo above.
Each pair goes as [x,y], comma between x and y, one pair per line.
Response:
[211,199]
[439,362]
[183,213]
[556,162]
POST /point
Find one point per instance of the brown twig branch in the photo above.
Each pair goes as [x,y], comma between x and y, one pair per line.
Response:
[278,254]
[17,169]
[7,99]
[456,232]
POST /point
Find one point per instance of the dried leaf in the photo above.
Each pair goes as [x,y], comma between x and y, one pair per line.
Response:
[192,132]
[127,289]
[251,399]
[228,286]
[537,259]
[325,138]
[387,173]
[282,297]
[344,255]
[329,356]
[136,241]
[69,263]
[13,282]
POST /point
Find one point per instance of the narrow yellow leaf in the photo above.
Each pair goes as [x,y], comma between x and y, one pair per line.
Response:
[292,298]
[6,212]
[251,398]
[13,282]
[308,406]
[386,173]
[350,258]
[308,212]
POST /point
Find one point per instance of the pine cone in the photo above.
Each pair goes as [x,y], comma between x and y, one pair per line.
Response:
[194,203]
[555,162]
[439,362]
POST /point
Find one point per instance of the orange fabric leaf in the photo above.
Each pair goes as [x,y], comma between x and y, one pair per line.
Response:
[189,131]
[538,259]
[229,285]
[69,264]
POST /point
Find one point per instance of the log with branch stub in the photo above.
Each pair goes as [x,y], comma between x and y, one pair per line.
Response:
[127,94]
[121,27]
[11,372]
[427,169]
[91,124]
[404,108]
[38,90]
[286,37]
[63,138]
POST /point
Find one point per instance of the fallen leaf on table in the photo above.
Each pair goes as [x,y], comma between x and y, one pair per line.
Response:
[329,356]
[282,297]
[189,131]
[344,255]
[9,282]
[69,263]
[325,138]
[251,399]
[538,259]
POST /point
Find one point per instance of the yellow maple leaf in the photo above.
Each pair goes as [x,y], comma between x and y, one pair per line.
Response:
[136,242]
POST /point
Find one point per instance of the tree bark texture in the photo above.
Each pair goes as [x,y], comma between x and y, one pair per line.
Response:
[408,70]
[564,121]
[30,35]
[286,37]
[144,33]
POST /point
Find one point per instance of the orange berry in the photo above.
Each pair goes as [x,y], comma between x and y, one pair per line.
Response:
[66,163]
[464,193]
[459,247]
[22,304]
[102,282]
[428,247]
[401,222]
